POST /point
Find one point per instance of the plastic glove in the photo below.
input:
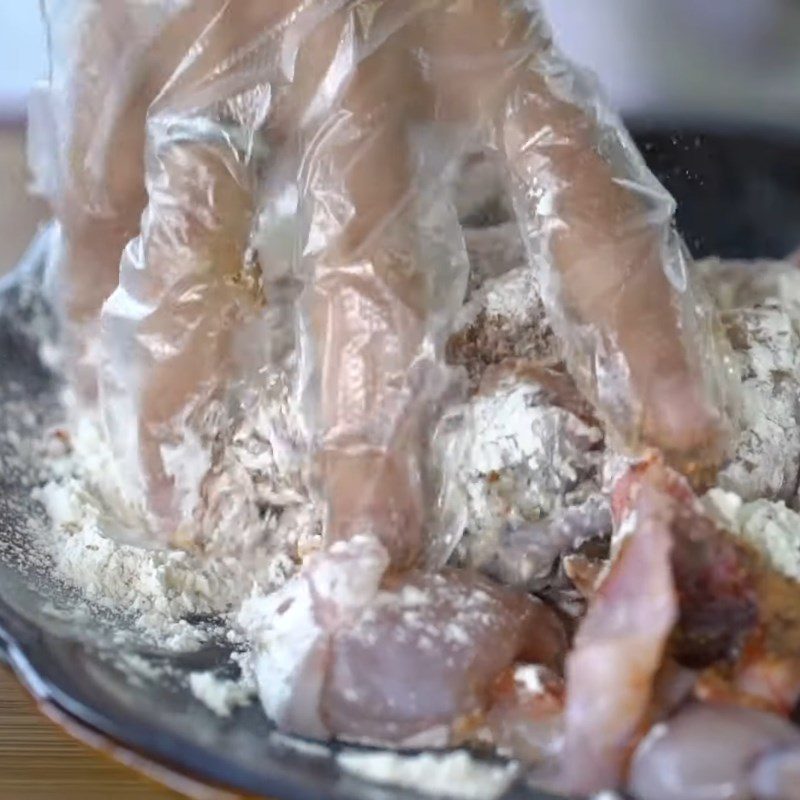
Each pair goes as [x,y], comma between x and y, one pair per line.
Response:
[377,101]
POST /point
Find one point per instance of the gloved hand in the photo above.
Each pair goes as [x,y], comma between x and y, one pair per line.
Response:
[186,109]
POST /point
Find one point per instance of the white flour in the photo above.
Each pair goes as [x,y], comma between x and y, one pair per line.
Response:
[221,695]
[765,462]
[160,591]
[759,306]
[529,477]
[455,775]
[770,526]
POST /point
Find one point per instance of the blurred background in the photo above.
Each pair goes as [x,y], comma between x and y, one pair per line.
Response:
[22,61]
[732,59]
[735,61]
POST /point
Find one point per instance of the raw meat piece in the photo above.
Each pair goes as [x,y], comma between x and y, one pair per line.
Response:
[342,650]
[707,753]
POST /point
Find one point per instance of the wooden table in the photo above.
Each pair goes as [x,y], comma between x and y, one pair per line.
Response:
[37,759]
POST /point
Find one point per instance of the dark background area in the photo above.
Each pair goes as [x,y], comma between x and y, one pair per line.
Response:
[738,190]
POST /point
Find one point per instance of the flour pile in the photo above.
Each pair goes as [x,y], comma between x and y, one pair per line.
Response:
[160,590]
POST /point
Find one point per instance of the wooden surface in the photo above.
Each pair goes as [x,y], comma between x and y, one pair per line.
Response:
[39,761]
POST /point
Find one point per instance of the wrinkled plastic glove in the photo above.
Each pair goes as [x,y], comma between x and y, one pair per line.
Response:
[185,109]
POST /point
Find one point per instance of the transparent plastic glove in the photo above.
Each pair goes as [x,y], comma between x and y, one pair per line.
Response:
[167,126]
[87,141]
[185,284]
[597,225]
[204,107]
[615,276]
[167,328]
[387,269]
[377,102]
